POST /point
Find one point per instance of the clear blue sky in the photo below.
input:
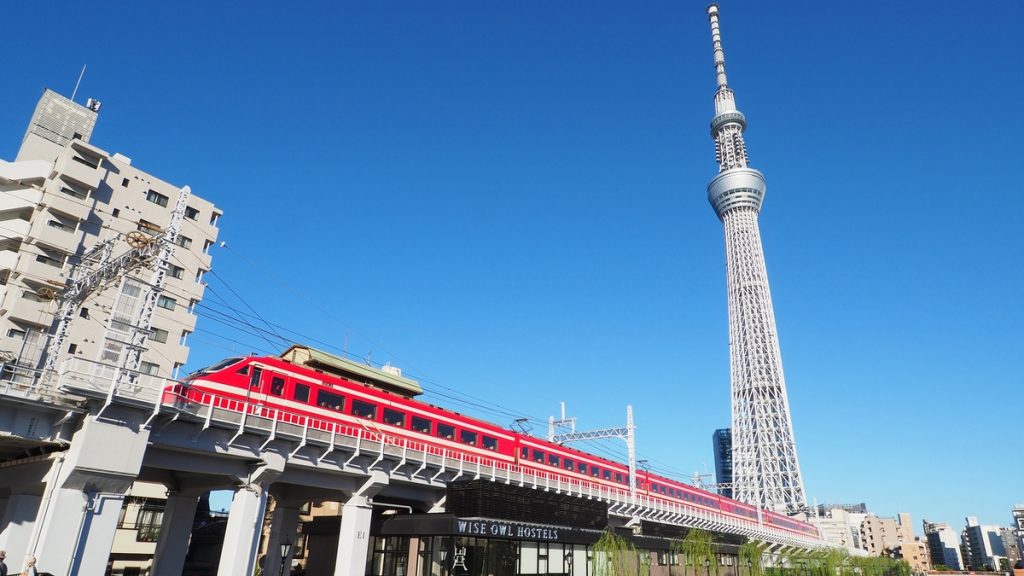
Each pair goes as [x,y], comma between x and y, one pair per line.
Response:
[508,199]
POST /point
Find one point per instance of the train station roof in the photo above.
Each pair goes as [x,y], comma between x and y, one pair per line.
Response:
[389,378]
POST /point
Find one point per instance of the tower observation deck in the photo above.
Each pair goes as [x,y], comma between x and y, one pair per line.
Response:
[766,471]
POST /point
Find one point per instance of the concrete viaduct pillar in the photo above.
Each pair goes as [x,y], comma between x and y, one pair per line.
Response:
[175,531]
[354,538]
[245,520]
[79,511]
[283,525]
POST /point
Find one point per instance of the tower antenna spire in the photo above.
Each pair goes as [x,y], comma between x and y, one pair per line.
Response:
[716,39]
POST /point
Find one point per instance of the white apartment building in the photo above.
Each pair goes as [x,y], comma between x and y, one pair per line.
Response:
[61,197]
[984,545]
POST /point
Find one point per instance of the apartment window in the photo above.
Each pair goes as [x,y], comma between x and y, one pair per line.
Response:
[84,313]
[124,183]
[159,335]
[90,162]
[166,302]
[59,226]
[51,258]
[213,218]
[149,368]
[157,198]
[15,333]
[191,213]
[115,213]
[74,193]
[199,276]
[30,295]
[177,271]
[184,241]
[206,246]
[72,348]
[148,228]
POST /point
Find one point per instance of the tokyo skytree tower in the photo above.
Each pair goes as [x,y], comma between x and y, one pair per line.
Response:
[765,466]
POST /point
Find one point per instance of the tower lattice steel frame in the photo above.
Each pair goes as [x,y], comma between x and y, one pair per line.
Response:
[765,467]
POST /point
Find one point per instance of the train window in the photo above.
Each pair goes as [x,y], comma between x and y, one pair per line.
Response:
[524,453]
[244,370]
[445,431]
[607,474]
[301,392]
[329,400]
[490,444]
[553,461]
[254,379]
[581,468]
[394,417]
[538,456]
[595,471]
[654,487]
[663,491]
[364,409]
[467,437]
[618,477]
[277,386]
[421,425]
[567,464]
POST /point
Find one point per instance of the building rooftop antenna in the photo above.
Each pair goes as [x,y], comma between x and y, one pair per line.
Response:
[79,82]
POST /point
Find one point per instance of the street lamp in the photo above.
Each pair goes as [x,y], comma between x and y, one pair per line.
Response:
[707,564]
[286,547]
[444,553]
[750,567]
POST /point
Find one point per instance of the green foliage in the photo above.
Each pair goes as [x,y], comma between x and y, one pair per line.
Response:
[699,551]
[752,558]
[828,562]
[616,556]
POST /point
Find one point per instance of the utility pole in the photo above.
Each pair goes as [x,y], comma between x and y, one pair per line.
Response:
[625,433]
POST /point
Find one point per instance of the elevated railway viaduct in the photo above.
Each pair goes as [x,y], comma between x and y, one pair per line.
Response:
[72,447]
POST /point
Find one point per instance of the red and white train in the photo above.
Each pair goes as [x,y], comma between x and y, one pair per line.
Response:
[314,384]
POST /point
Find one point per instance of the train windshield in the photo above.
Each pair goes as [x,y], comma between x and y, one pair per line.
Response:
[216,367]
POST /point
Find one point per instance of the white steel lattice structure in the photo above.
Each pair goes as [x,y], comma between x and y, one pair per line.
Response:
[765,466]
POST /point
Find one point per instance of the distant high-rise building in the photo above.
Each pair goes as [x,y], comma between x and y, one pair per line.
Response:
[63,197]
[943,545]
[766,471]
[721,441]
[983,544]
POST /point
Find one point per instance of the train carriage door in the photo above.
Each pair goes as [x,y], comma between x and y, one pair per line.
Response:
[255,379]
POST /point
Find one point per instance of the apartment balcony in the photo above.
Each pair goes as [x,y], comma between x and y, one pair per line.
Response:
[8,260]
[17,198]
[27,310]
[67,204]
[79,170]
[15,228]
[62,237]
[33,266]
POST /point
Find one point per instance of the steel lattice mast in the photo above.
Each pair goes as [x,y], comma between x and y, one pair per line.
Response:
[765,467]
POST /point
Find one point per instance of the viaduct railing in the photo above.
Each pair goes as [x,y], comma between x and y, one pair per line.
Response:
[165,396]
